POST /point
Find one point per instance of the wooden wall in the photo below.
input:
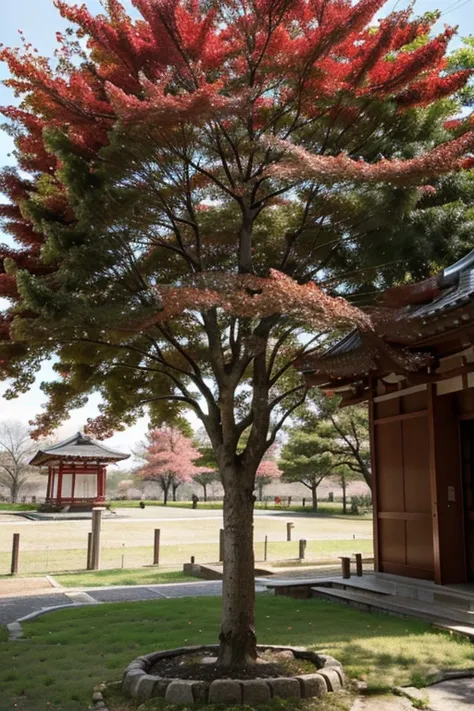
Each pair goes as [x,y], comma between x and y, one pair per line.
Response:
[448,514]
[403,504]
[418,497]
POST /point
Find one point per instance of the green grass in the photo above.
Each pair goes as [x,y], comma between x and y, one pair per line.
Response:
[18,507]
[61,560]
[147,576]
[66,653]
[324,508]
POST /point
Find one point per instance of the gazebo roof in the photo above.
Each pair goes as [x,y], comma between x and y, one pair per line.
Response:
[78,447]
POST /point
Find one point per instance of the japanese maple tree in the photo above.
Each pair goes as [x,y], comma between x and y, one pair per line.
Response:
[170,459]
[191,185]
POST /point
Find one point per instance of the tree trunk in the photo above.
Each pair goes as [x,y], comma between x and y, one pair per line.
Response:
[175,489]
[260,491]
[237,638]
[344,494]
[367,474]
[14,491]
[314,496]
[166,488]
[204,486]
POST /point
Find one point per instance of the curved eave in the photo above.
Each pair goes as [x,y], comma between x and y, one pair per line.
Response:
[42,458]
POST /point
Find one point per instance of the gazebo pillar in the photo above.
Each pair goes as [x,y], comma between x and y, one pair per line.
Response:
[60,483]
[101,473]
[49,487]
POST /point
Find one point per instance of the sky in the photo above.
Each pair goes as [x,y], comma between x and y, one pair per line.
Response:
[39,20]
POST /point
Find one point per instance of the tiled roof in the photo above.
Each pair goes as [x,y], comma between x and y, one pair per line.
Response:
[452,298]
[77,447]
[354,355]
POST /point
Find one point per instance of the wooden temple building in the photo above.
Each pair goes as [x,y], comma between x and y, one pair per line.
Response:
[417,375]
[76,470]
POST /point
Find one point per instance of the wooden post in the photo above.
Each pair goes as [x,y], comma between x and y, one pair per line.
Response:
[358,559]
[156,547]
[15,553]
[51,493]
[60,483]
[221,545]
[48,489]
[302,548]
[346,567]
[374,441]
[265,548]
[289,526]
[96,527]
[304,502]
[89,551]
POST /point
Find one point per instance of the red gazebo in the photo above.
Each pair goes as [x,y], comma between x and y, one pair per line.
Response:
[76,471]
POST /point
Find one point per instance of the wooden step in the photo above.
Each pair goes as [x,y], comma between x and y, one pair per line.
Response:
[442,615]
[425,594]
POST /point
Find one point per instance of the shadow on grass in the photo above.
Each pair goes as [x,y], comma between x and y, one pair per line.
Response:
[66,653]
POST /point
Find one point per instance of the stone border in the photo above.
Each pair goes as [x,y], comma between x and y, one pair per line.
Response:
[139,684]
[98,703]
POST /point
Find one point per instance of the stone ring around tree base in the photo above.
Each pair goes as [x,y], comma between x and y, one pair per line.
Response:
[139,683]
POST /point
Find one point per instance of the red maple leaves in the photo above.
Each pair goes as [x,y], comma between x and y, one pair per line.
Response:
[273,68]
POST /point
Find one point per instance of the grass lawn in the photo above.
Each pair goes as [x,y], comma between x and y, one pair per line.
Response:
[324,509]
[37,557]
[140,576]
[18,507]
[66,653]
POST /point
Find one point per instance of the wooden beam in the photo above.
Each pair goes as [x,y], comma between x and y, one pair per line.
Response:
[373,467]
[433,483]
[403,516]
[404,416]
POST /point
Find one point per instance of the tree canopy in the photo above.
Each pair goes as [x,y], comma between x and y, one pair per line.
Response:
[170,459]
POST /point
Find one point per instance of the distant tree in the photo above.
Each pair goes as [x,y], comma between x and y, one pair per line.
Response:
[305,459]
[124,486]
[16,450]
[115,479]
[267,472]
[170,459]
[344,476]
[344,433]
[205,479]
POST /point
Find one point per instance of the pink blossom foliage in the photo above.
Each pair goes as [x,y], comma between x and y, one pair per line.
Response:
[268,470]
[170,453]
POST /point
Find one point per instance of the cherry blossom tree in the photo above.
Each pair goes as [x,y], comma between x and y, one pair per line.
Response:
[193,185]
[169,459]
[267,472]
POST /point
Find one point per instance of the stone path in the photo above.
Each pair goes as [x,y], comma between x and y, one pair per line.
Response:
[11,587]
[455,695]
[14,608]
[384,703]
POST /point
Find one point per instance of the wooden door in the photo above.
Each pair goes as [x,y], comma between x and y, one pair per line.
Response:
[467,453]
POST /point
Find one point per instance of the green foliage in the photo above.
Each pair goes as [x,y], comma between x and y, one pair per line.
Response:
[327,441]
[305,460]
